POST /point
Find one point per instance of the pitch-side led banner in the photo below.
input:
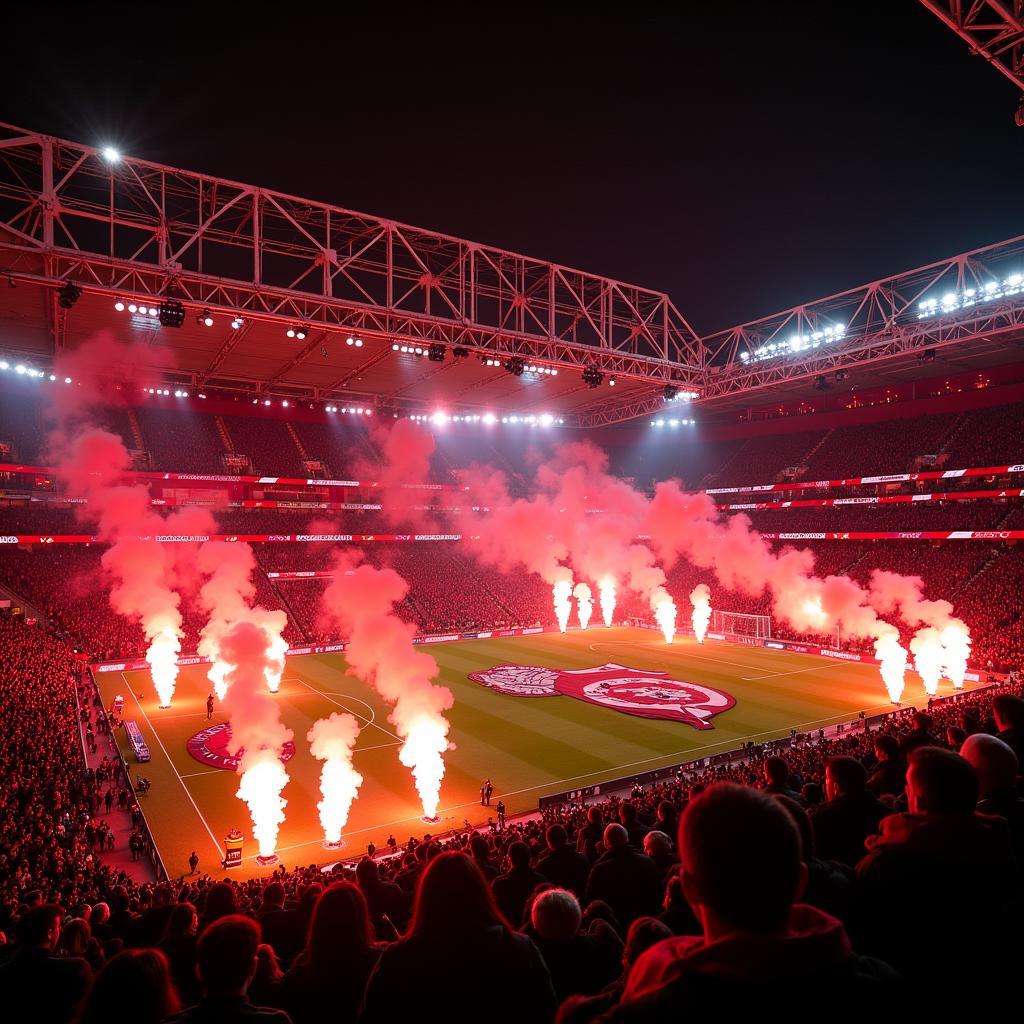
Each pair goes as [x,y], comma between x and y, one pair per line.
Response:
[885,499]
[391,538]
[232,538]
[854,481]
[221,478]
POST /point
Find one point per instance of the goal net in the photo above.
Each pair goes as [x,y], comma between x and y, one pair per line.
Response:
[740,624]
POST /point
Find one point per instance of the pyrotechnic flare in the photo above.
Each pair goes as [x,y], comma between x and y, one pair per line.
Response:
[926,646]
[956,643]
[562,593]
[607,591]
[893,658]
[360,600]
[664,614]
[700,598]
[256,731]
[332,740]
[584,604]
[162,655]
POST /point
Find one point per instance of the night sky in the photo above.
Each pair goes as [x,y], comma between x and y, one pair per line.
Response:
[743,157]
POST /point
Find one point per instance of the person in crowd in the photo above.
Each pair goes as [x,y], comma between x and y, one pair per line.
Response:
[76,940]
[589,837]
[178,944]
[580,962]
[850,814]
[278,924]
[387,902]
[628,880]
[742,872]
[135,985]
[920,736]
[658,846]
[996,766]
[459,943]
[193,862]
[778,779]
[227,956]
[1008,710]
[643,933]
[560,864]
[329,975]
[36,982]
[629,820]
[513,888]
[889,776]
[940,847]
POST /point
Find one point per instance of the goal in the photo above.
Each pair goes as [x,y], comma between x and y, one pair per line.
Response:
[740,624]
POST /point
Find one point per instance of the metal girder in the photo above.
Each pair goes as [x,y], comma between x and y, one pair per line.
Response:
[993,29]
[133,226]
[879,320]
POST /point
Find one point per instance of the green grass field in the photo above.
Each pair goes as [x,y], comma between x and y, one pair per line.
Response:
[527,746]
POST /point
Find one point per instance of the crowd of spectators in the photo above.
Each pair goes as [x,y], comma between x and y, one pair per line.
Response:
[855,864]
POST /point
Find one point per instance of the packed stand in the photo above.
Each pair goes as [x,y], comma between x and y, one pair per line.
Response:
[853,865]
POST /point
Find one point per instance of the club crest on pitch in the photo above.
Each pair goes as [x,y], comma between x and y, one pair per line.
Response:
[641,692]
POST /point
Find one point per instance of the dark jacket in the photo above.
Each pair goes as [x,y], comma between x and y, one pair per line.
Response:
[889,778]
[492,971]
[513,889]
[628,881]
[311,998]
[228,1010]
[566,868]
[812,963]
[841,826]
[42,988]
[932,883]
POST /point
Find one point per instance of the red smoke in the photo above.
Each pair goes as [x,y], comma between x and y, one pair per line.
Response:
[360,600]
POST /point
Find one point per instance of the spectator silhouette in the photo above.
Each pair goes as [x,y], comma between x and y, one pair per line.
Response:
[330,974]
[458,943]
[135,984]
[227,956]
[626,879]
[742,872]
[938,877]
[36,984]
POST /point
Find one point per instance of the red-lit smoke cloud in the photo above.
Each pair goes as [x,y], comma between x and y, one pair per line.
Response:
[360,600]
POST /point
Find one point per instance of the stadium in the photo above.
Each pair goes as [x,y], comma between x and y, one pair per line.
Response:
[386,613]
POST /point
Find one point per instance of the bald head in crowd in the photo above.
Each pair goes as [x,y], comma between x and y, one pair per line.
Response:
[741,860]
[993,761]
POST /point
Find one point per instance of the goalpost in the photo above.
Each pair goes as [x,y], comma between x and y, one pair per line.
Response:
[740,624]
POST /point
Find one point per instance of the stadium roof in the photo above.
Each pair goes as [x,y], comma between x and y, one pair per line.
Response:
[264,264]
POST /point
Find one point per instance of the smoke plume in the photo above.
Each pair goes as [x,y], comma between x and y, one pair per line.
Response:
[360,600]
[332,741]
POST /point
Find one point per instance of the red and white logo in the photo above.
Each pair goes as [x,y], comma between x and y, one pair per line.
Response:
[633,691]
[211,747]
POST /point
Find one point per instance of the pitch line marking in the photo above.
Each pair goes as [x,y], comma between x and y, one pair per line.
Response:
[142,711]
[369,721]
[667,649]
[797,672]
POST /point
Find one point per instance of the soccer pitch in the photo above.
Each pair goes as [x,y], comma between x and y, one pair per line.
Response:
[528,746]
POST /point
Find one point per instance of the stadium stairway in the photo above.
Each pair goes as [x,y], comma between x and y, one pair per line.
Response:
[222,429]
[120,822]
[303,454]
[806,460]
[133,422]
[711,477]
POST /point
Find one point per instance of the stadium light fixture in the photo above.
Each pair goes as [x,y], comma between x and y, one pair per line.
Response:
[68,294]
[593,377]
[236,322]
[205,319]
[111,155]
[119,305]
[352,340]
[952,302]
[611,382]
[171,313]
